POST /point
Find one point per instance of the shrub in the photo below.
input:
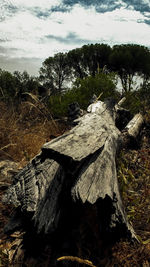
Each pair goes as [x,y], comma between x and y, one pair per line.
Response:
[138,101]
[83,91]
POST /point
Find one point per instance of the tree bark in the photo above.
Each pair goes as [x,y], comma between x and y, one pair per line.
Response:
[74,173]
[134,126]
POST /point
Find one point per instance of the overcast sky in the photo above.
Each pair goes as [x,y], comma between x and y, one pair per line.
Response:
[32,30]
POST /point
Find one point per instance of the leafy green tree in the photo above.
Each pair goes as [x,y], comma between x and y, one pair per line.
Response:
[144,94]
[75,58]
[101,83]
[25,83]
[88,59]
[7,86]
[129,61]
[14,86]
[95,57]
[83,91]
[55,73]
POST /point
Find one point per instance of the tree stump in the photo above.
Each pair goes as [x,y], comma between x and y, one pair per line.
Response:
[71,187]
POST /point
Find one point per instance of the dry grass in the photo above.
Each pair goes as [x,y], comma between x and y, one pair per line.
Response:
[134,178]
[22,134]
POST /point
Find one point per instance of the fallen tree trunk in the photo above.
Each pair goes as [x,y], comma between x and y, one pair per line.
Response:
[133,127]
[75,174]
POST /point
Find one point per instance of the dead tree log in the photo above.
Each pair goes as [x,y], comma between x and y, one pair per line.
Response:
[74,173]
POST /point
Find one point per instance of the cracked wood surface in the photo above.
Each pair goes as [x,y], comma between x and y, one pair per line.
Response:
[79,166]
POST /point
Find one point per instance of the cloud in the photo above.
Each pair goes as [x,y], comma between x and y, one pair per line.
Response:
[61,8]
[2,40]
[147,21]
[102,27]
[71,38]
[43,8]
[38,29]
[7,9]
[90,3]
[35,3]
[31,65]
[99,5]
[39,8]
[139,5]
[35,37]
[102,6]
[110,5]
[43,14]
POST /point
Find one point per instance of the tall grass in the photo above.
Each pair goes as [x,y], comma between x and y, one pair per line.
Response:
[23,130]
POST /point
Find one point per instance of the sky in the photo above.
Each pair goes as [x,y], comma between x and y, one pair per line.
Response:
[33,30]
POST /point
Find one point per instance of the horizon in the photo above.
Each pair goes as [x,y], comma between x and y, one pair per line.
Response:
[31,30]
[35,72]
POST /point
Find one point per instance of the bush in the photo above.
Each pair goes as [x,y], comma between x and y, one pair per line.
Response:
[133,102]
[138,101]
[83,91]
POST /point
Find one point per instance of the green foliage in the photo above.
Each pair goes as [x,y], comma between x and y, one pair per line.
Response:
[76,59]
[139,100]
[83,91]
[13,86]
[87,66]
[24,83]
[133,102]
[7,85]
[101,83]
[88,59]
[77,63]
[144,94]
[129,60]
[55,72]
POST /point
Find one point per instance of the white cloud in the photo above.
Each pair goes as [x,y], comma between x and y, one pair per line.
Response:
[147,2]
[35,3]
[24,34]
[119,25]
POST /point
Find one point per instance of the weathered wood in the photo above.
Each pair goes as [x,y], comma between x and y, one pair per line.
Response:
[134,126]
[30,184]
[75,168]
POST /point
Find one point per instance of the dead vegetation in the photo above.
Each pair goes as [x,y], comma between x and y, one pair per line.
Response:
[23,132]
[134,178]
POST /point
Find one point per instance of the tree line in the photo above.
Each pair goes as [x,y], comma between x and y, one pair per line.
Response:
[90,69]
[127,61]
[13,87]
